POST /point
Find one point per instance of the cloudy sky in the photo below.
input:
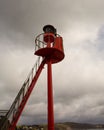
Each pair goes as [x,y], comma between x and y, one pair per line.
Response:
[78,80]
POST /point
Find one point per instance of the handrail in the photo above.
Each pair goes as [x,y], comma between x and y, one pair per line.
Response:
[39,43]
[16,104]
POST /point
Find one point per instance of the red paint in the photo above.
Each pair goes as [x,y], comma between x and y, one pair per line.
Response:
[50,97]
[49,37]
[50,94]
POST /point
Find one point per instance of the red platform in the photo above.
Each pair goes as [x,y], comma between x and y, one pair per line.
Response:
[53,53]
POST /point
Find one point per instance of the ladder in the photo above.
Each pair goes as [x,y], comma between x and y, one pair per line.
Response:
[9,121]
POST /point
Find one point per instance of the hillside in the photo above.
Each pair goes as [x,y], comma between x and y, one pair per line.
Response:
[63,126]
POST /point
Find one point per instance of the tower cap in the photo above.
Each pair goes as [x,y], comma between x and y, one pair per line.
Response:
[49,29]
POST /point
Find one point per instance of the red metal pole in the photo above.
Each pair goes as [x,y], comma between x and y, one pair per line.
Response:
[50,98]
[50,93]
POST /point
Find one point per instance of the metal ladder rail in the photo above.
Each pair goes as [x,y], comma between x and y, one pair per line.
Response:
[24,100]
[23,88]
[13,111]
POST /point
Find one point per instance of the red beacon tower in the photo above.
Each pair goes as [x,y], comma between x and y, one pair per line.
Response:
[49,45]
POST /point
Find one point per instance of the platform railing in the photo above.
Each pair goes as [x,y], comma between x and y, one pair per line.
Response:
[3,112]
[39,42]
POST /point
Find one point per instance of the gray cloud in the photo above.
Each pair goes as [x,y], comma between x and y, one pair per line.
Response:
[77,80]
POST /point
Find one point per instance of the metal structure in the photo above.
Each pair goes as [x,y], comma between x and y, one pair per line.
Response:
[49,48]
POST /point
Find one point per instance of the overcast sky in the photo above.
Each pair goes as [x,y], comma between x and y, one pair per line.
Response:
[78,80]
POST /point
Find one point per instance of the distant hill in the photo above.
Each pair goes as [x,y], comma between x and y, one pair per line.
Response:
[83,125]
[66,126]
